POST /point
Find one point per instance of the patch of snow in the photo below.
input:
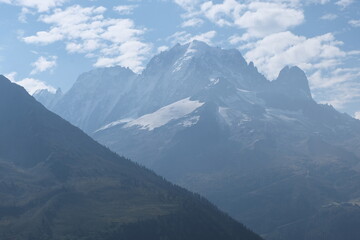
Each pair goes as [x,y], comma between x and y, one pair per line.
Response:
[113,124]
[243,90]
[231,116]
[166,114]
[190,121]
[250,96]
[214,81]
[190,52]
[245,118]
[355,202]
[284,115]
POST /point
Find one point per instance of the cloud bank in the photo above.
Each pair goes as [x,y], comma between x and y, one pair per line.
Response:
[85,30]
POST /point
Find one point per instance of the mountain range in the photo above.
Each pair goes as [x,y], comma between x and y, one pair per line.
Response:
[58,183]
[263,151]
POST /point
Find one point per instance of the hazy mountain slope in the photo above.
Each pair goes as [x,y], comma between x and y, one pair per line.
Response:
[47,98]
[93,96]
[105,95]
[58,183]
[264,151]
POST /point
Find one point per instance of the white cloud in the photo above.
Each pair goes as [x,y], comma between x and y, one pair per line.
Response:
[184,37]
[344,3]
[125,9]
[190,19]
[275,51]
[43,37]
[187,4]
[329,16]
[129,54]
[39,5]
[337,76]
[319,1]
[357,115]
[223,13]
[355,23]
[122,30]
[262,19]
[162,49]
[341,95]
[11,76]
[220,14]
[320,57]
[112,41]
[205,37]
[86,46]
[192,22]
[23,14]
[31,85]
[256,18]
[42,64]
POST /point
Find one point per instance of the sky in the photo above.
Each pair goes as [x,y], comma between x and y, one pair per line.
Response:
[47,44]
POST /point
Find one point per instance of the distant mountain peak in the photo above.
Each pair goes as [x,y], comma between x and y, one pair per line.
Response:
[291,70]
[199,45]
[293,78]
[46,91]
[48,98]
[104,76]
[115,69]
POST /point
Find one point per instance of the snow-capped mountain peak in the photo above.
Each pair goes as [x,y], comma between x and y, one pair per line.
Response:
[192,49]
[194,69]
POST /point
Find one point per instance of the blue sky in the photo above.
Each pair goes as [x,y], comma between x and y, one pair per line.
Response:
[48,43]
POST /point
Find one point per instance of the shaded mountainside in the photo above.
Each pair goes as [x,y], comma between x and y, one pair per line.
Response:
[265,152]
[58,183]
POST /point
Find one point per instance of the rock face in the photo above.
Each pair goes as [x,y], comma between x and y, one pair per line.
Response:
[47,98]
[265,152]
[58,183]
[293,80]
[93,96]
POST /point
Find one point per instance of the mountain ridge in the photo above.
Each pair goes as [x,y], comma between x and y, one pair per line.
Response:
[263,151]
[58,183]
[240,75]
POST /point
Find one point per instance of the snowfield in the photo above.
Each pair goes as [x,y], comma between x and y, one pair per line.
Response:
[166,114]
[160,117]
